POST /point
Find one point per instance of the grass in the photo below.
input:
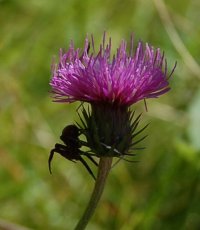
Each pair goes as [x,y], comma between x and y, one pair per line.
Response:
[160,192]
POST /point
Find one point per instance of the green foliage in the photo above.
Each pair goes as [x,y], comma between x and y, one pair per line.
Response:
[162,191]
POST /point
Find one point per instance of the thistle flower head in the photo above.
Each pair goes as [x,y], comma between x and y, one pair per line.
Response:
[110,84]
[121,79]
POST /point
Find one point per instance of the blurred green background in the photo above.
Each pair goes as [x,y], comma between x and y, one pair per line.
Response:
[160,192]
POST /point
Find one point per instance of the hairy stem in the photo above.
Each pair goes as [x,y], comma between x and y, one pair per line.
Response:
[103,171]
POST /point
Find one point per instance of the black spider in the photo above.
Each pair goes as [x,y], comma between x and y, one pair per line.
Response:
[71,148]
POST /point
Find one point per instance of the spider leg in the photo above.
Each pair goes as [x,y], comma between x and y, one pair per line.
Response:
[89,157]
[50,159]
[87,167]
[60,146]
[61,149]
[66,152]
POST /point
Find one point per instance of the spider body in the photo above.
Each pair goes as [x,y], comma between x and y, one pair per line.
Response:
[71,148]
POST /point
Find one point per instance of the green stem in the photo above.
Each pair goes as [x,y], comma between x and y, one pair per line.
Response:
[103,171]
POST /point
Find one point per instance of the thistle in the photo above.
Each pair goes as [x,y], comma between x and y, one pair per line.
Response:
[110,84]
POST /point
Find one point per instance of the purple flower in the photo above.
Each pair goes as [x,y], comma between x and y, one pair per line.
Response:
[121,79]
[110,83]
